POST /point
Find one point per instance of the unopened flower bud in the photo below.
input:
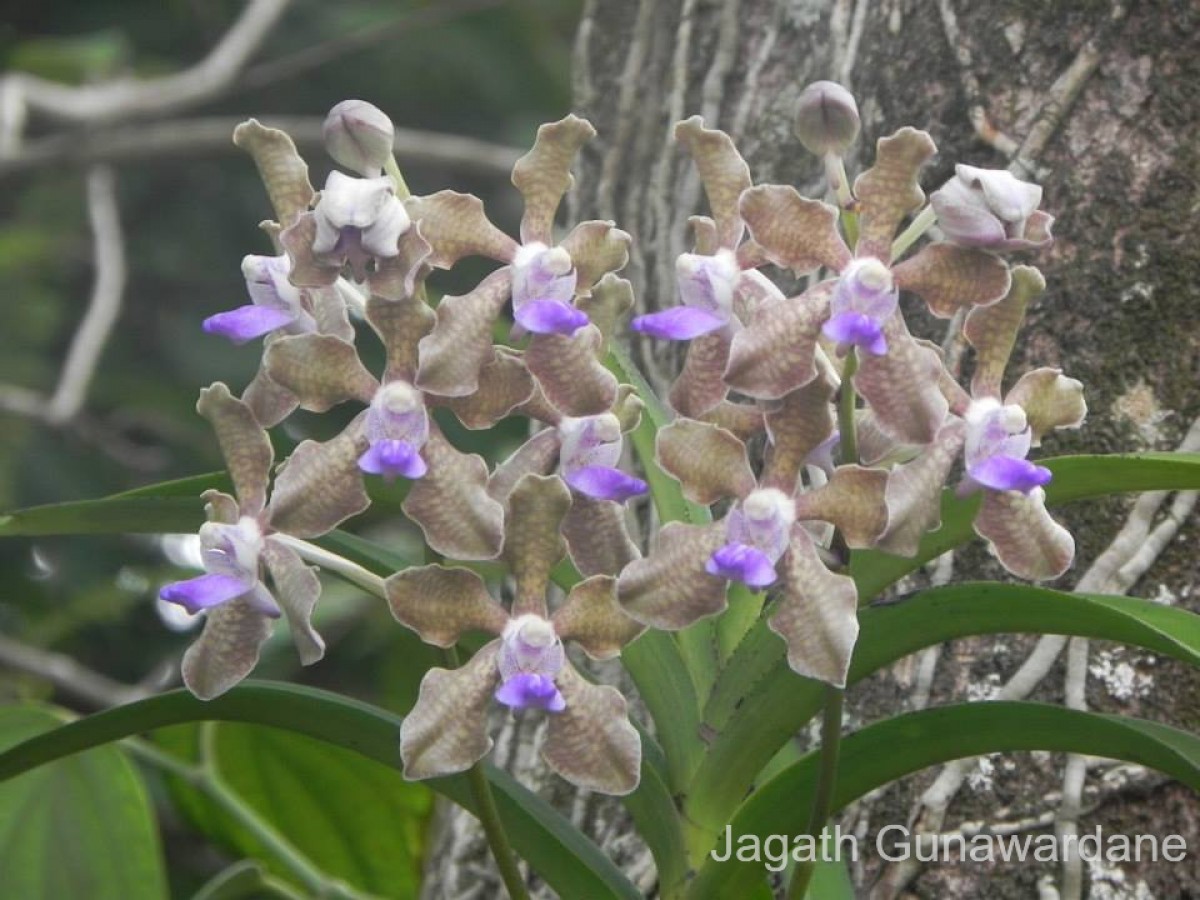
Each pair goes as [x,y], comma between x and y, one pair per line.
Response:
[826,118]
[359,136]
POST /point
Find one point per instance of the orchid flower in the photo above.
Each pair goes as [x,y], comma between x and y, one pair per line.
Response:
[396,437]
[762,541]
[589,739]
[898,376]
[719,285]
[314,492]
[585,453]
[990,208]
[547,283]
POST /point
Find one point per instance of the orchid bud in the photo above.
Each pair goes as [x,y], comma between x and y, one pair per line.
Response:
[988,208]
[359,136]
[826,118]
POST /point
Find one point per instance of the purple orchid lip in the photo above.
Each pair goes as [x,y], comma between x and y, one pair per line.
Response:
[1009,473]
[392,458]
[857,329]
[204,591]
[528,690]
[741,562]
[247,322]
[680,323]
[604,483]
[549,317]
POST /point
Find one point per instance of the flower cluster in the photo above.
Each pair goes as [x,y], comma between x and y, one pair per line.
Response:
[762,370]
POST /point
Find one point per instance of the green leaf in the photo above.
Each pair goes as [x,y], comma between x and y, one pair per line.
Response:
[759,702]
[82,827]
[242,879]
[564,857]
[1075,478]
[830,881]
[885,751]
[349,816]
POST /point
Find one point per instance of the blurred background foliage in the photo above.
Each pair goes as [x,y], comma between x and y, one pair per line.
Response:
[491,71]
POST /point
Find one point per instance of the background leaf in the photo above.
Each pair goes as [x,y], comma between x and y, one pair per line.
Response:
[81,827]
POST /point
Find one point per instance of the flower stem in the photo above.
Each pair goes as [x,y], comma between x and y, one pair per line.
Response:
[339,565]
[489,818]
[831,743]
[917,227]
[847,401]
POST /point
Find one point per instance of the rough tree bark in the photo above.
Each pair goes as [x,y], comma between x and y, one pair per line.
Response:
[1098,102]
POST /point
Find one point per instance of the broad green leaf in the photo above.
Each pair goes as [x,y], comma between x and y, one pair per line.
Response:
[885,751]
[82,827]
[348,815]
[759,702]
[560,853]
[1075,478]
[830,881]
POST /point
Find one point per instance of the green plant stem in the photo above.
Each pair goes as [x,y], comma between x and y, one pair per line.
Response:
[393,170]
[847,401]
[489,818]
[831,742]
[918,226]
[339,565]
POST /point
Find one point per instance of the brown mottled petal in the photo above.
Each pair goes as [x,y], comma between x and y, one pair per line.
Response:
[307,270]
[949,278]
[775,354]
[817,614]
[538,456]
[328,308]
[873,444]
[705,239]
[244,444]
[794,232]
[400,325]
[570,373]
[533,540]
[451,503]
[796,426]
[902,386]
[227,649]
[596,248]
[888,191]
[504,384]
[853,500]
[591,743]
[722,170]
[320,369]
[297,589]
[701,386]
[596,536]
[752,291]
[271,403]
[538,408]
[1050,400]
[283,172]
[741,419]
[992,330]
[956,395]
[396,277]
[1037,229]
[320,485]
[543,174]
[1026,540]
[461,342]
[220,507]
[607,305]
[454,225]
[914,491]
[708,461]
[441,604]
[592,617]
[669,588]
[446,731]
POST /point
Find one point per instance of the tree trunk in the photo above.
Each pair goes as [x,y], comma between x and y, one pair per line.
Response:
[1095,101]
